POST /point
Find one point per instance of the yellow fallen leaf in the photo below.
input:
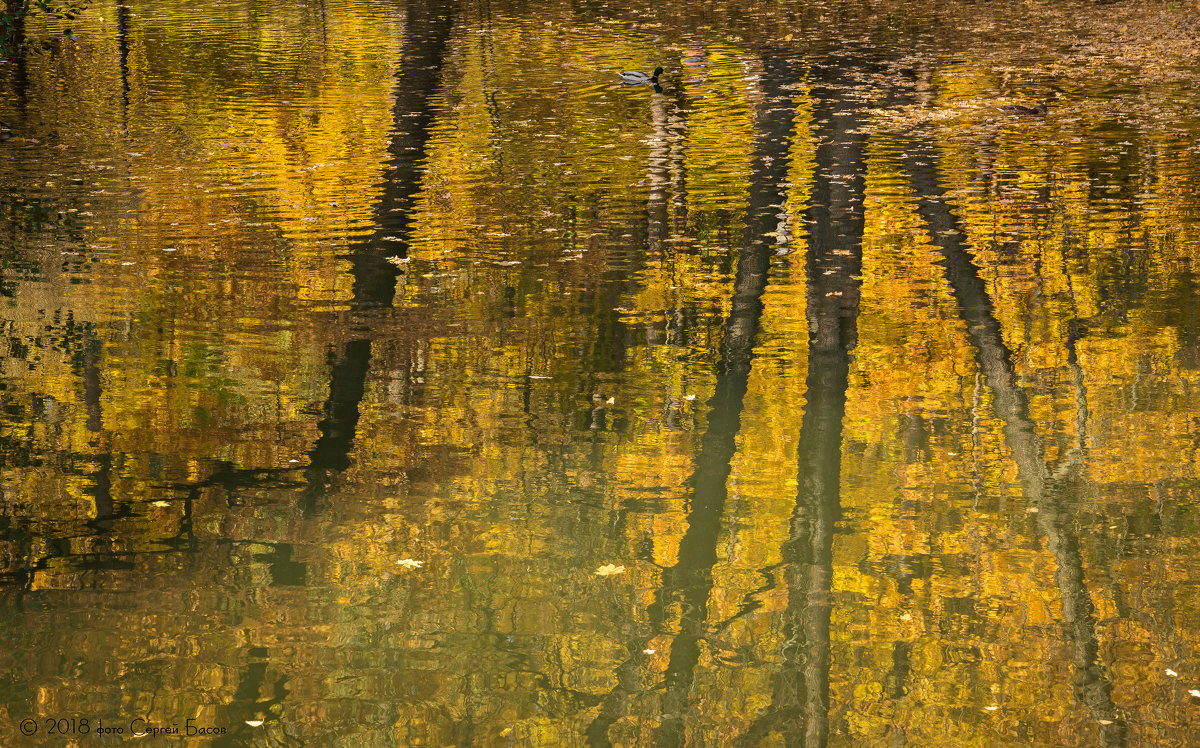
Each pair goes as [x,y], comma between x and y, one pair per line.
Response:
[409,563]
[609,569]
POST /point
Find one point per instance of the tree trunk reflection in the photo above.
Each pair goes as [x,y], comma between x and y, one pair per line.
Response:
[1046,493]
[689,582]
[800,696]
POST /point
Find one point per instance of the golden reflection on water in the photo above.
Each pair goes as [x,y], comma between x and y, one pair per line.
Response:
[300,447]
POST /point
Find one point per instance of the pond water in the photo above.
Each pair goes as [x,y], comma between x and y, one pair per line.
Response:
[378,374]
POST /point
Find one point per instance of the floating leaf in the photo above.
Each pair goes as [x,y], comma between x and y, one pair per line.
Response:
[410,563]
[608,570]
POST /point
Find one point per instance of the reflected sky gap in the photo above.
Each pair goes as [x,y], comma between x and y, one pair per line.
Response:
[1044,492]
[689,582]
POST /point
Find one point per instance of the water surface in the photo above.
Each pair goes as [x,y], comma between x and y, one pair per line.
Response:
[345,342]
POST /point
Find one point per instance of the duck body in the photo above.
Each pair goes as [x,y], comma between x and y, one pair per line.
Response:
[1038,110]
[638,78]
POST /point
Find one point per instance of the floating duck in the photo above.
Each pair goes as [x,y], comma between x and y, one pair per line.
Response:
[1040,109]
[638,78]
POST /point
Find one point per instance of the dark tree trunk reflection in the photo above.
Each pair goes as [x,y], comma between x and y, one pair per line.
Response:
[123,51]
[16,42]
[800,697]
[1046,493]
[93,392]
[689,582]
[426,37]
